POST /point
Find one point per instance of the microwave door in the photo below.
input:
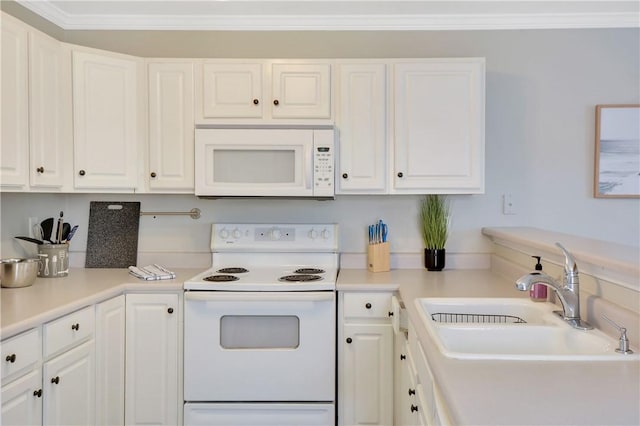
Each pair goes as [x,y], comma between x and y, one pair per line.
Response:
[259,171]
[264,167]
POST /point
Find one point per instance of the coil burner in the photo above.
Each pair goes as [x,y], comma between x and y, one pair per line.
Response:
[220,278]
[309,271]
[232,270]
[300,278]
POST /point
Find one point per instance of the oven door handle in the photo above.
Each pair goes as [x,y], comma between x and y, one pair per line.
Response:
[260,296]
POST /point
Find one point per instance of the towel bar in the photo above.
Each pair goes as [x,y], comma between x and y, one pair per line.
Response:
[194,213]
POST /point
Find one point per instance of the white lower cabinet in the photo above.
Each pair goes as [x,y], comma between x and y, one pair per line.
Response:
[209,414]
[406,404]
[431,408]
[22,400]
[110,352]
[152,359]
[69,387]
[365,359]
[68,371]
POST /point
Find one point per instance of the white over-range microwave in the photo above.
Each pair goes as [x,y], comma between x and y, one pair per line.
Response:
[264,162]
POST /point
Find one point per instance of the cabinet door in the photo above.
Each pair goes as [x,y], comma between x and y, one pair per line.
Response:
[406,401]
[152,395]
[49,111]
[301,91]
[171,124]
[231,90]
[22,400]
[110,350]
[14,149]
[439,126]
[69,387]
[362,122]
[367,375]
[105,121]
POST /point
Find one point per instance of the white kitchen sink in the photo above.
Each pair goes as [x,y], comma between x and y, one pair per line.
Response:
[487,310]
[490,328]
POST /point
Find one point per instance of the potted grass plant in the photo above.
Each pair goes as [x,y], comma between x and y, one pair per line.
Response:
[434,223]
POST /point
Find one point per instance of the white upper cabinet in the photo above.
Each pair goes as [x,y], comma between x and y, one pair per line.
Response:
[258,92]
[301,90]
[49,111]
[439,126]
[105,117]
[171,126]
[405,125]
[14,160]
[230,90]
[361,119]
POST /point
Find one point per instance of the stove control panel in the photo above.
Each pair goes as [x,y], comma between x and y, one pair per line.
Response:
[274,237]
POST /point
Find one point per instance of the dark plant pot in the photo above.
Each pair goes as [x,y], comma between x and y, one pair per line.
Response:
[434,259]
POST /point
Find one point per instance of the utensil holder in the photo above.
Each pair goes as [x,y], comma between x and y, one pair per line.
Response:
[378,259]
[54,260]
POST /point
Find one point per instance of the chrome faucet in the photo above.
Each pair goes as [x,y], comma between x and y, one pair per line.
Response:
[568,291]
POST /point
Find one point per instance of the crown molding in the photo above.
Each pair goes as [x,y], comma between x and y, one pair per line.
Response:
[355,17]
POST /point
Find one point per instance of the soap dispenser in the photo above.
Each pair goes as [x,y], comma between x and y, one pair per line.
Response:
[538,292]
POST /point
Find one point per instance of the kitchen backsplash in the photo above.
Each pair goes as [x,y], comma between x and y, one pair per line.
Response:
[190,237]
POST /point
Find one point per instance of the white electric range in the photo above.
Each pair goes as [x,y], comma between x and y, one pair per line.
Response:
[260,327]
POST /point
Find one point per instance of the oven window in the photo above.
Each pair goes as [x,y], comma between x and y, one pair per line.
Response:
[254,166]
[259,332]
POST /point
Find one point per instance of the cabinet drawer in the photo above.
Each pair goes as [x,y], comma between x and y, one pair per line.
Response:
[68,331]
[20,352]
[367,305]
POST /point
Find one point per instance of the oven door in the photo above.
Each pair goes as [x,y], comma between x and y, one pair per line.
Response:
[254,162]
[259,346]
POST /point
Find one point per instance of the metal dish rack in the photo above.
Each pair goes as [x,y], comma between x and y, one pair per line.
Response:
[452,318]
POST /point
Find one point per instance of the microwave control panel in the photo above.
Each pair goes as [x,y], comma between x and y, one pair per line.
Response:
[323,163]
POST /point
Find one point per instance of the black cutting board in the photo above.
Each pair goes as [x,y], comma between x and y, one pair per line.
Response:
[112,240]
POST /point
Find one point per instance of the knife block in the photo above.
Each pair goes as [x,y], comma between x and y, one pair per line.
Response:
[378,257]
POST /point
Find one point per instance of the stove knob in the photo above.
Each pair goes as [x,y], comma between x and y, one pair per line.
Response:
[224,234]
[325,234]
[313,234]
[237,233]
[275,234]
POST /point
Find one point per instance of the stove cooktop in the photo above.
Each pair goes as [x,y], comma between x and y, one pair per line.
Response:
[264,279]
[270,257]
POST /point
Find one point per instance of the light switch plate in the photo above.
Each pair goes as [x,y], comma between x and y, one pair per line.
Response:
[508,204]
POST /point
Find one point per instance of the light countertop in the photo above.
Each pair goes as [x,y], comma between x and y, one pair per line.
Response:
[50,298]
[477,392]
[509,392]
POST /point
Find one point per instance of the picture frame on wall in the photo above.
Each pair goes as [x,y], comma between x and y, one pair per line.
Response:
[617,153]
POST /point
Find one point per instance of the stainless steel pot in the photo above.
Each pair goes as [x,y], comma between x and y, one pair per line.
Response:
[18,272]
